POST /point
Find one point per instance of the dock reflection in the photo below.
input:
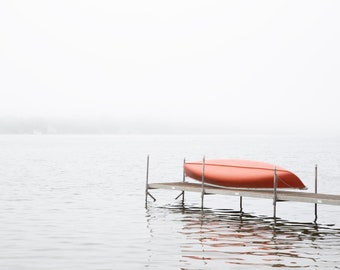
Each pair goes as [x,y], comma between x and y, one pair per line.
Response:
[226,237]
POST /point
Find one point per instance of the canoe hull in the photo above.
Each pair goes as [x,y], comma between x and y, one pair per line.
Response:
[242,174]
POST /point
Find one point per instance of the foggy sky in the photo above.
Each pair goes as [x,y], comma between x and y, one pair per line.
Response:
[217,65]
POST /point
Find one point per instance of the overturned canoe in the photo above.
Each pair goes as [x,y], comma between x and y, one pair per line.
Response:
[242,174]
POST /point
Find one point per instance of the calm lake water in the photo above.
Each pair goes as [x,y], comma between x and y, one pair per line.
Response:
[77,202]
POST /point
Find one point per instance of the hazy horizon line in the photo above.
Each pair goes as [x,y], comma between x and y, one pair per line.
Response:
[107,125]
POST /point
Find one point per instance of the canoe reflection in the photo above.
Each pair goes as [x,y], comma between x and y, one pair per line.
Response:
[228,237]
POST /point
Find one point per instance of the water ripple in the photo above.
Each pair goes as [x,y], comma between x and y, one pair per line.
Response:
[211,237]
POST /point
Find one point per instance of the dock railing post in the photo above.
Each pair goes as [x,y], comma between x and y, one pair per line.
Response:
[203,191]
[275,194]
[316,191]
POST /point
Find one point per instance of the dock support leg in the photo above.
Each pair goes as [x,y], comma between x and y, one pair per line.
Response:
[183,182]
[147,193]
[275,195]
[203,191]
[316,191]
[182,193]
[241,204]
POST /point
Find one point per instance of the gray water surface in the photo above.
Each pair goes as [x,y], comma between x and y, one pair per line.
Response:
[77,202]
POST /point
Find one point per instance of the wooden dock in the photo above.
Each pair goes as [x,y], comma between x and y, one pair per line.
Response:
[275,194]
[294,196]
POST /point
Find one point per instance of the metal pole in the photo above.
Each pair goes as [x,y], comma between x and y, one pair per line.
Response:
[183,181]
[275,193]
[241,206]
[316,191]
[202,194]
[147,180]
[147,184]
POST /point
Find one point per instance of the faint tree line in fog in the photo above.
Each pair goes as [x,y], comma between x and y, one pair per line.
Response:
[16,125]
[11,125]
[35,125]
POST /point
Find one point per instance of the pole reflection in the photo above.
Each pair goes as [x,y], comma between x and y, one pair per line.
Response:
[226,237]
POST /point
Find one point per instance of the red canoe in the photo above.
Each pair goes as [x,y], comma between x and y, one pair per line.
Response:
[242,174]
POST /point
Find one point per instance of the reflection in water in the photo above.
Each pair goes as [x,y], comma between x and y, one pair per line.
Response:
[217,238]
